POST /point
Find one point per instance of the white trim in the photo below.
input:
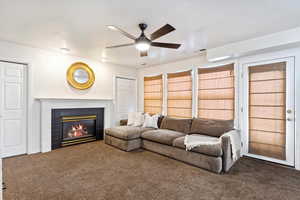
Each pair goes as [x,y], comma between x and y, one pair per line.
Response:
[237,109]
[151,75]
[217,64]
[115,77]
[179,71]
[268,159]
[28,111]
[195,92]
[290,144]
[165,94]
[46,113]
[30,102]
[297,111]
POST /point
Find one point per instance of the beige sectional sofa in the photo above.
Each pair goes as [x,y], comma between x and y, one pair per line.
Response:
[168,140]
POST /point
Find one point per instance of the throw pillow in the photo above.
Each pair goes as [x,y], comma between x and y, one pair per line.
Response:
[150,121]
[139,119]
[135,119]
[131,118]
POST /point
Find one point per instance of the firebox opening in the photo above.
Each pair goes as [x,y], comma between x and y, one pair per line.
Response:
[78,127]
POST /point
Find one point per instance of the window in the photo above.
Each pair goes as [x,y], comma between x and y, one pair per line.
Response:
[216,92]
[180,95]
[153,94]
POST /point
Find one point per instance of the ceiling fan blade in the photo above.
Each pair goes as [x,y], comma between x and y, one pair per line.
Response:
[115,28]
[121,45]
[143,53]
[162,31]
[166,45]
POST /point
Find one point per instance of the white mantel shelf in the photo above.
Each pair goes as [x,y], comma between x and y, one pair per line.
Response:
[75,99]
[47,104]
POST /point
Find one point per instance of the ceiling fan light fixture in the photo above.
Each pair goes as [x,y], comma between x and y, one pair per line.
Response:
[142,46]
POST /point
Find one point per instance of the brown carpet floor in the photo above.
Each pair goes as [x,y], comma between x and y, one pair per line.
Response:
[98,171]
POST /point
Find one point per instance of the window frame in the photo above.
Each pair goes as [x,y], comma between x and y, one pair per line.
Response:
[192,69]
[237,78]
[163,88]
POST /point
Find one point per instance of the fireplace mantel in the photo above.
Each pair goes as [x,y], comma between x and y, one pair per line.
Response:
[71,99]
[47,104]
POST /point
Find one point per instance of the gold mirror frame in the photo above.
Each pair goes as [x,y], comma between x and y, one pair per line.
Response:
[73,82]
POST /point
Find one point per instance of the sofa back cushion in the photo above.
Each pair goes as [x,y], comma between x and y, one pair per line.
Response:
[211,127]
[179,125]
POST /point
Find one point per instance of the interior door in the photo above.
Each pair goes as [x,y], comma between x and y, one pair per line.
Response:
[270,109]
[126,97]
[12,109]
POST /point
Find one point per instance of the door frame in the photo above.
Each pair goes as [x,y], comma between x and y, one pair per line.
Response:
[290,142]
[26,104]
[115,100]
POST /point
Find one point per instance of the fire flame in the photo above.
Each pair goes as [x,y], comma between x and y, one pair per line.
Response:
[77,131]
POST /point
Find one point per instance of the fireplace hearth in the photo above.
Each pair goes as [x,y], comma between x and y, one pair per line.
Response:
[76,125]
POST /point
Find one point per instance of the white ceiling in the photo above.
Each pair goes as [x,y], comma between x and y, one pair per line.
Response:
[80,25]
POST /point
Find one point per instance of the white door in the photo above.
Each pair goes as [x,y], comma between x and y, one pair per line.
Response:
[13,126]
[126,97]
[269,110]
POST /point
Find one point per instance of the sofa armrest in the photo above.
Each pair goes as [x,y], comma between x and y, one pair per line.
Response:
[227,159]
[123,122]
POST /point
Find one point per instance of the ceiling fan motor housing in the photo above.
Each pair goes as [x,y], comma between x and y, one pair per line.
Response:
[143,38]
[143,26]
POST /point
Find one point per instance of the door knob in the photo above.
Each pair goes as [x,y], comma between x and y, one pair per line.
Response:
[289,119]
[289,111]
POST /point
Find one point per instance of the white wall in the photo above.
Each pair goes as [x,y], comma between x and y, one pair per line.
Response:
[47,79]
[276,41]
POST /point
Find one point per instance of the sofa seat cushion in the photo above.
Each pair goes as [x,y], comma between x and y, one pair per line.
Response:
[162,136]
[126,132]
[208,149]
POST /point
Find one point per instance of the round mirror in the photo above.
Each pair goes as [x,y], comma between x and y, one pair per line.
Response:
[80,76]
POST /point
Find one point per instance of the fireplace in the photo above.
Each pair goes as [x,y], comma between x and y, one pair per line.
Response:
[76,125]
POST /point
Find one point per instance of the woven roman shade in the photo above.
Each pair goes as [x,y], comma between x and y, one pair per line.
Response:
[180,95]
[267,104]
[153,94]
[216,92]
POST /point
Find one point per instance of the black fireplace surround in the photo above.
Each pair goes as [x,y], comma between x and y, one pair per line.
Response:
[76,125]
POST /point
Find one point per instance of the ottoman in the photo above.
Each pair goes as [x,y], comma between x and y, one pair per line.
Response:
[126,138]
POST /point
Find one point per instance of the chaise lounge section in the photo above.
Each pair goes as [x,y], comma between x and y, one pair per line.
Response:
[126,138]
[169,139]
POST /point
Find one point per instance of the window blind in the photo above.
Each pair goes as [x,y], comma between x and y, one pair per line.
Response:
[153,94]
[267,87]
[216,92]
[180,95]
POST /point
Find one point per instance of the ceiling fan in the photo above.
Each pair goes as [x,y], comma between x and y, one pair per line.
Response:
[143,43]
